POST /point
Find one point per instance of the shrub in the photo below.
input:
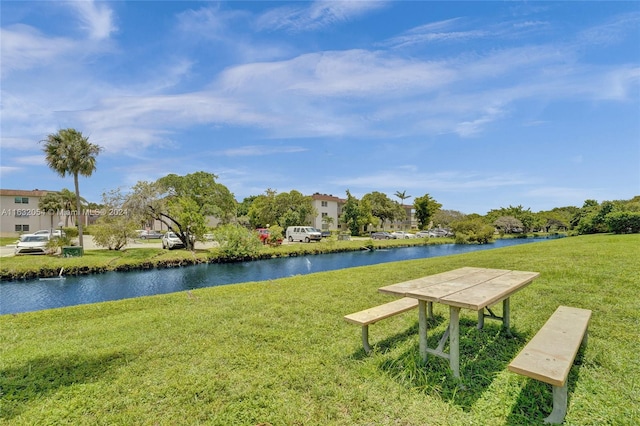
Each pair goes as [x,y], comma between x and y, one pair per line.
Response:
[71,231]
[110,236]
[276,235]
[56,243]
[236,242]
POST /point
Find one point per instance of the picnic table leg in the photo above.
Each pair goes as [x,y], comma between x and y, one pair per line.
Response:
[506,314]
[454,340]
[481,319]
[430,310]
[422,328]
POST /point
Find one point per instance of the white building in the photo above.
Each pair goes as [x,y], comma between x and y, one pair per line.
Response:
[20,214]
[331,206]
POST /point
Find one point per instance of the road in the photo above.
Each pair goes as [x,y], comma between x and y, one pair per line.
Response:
[89,244]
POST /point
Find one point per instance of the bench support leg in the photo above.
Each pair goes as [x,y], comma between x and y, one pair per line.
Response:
[365,338]
[559,405]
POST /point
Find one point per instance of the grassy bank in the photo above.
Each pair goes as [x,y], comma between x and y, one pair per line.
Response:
[279,352]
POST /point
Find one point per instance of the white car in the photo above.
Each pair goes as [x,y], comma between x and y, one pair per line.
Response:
[32,244]
[423,234]
[47,232]
[170,241]
[403,235]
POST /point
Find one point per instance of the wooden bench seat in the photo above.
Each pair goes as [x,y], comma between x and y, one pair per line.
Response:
[377,313]
[549,355]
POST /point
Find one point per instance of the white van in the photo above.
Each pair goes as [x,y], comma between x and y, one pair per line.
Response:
[302,233]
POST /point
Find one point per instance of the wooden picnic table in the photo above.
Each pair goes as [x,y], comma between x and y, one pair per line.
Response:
[471,288]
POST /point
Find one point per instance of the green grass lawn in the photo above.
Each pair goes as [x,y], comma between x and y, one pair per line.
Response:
[280,353]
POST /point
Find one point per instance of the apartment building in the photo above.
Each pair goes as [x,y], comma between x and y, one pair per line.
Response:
[20,212]
[331,206]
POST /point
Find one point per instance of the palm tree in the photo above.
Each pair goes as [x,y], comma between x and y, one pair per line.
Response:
[68,199]
[403,196]
[69,152]
[51,203]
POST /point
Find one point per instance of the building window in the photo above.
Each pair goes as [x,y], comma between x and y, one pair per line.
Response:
[324,204]
[325,214]
[22,200]
[22,228]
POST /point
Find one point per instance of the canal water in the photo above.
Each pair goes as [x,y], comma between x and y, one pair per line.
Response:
[34,295]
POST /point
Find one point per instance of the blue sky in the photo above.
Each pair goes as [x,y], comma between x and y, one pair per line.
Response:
[481,105]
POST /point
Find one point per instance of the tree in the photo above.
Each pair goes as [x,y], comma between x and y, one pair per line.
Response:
[384,208]
[508,224]
[472,231]
[69,201]
[425,207]
[115,226]
[245,205]
[623,222]
[51,204]
[327,220]
[69,152]
[402,195]
[444,218]
[286,209]
[355,213]
[182,203]
[528,219]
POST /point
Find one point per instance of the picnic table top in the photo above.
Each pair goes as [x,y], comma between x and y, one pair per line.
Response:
[468,287]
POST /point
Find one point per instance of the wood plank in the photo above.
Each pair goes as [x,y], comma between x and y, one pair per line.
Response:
[402,288]
[489,292]
[549,355]
[437,292]
[377,313]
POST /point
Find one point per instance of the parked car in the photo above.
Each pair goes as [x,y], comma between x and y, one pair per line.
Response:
[32,244]
[440,232]
[171,241]
[403,234]
[382,235]
[150,235]
[324,234]
[55,233]
[302,233]
[423,234]
[264,234]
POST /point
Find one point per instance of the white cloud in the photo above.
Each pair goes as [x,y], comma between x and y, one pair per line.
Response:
[7,170]
[260,150]
[31,160]
[612,31]
[96,18]
[443,181]
[24,47]
[315,15]
[440,31]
